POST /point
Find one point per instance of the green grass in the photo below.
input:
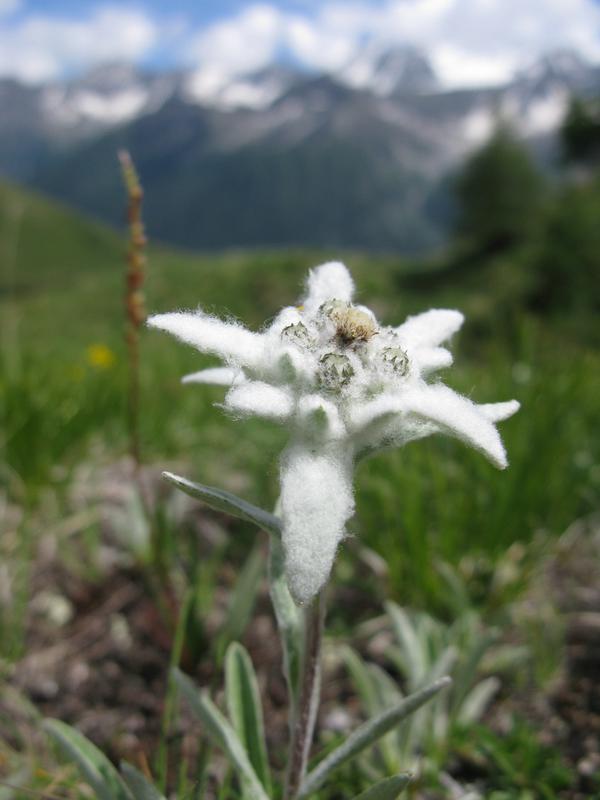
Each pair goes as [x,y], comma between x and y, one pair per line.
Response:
[62,294]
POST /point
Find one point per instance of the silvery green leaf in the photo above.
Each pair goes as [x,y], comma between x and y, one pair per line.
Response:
[413,655]
[245,710]
[477,700]
[139,786]
[366,735]
[466,674]
[388,789]
[388,695]
[222,500]
[93,765]
[457,595]
[289,619]
[219,730]
[359,673]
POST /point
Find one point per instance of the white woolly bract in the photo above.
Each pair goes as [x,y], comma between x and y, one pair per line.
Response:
[497,412]
[327,282]
[430,328]
[259,399]
[316,502]
[229,340]
[456,416]
[319,418]
[216,376]
[431,359]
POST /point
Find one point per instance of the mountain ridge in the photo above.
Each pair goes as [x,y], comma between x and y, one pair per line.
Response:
[313,160]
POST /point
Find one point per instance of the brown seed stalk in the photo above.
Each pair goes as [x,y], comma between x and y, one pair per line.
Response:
[134,296]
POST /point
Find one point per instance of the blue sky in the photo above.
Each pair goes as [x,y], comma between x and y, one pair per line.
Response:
[468,41]
[198,12]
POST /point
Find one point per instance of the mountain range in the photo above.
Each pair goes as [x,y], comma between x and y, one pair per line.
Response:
[359,158]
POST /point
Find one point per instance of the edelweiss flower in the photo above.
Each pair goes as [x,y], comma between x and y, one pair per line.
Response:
[347,387]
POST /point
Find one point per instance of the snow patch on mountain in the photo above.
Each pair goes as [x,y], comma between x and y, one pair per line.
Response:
[385,71]
[255,91]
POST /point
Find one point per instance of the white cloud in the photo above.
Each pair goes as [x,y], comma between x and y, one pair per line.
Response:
[469,41]
[40,48]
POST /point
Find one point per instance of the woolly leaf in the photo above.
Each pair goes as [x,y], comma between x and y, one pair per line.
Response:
[93,765]
[245,710]
[139,786]
[222,500]
[388,789]
[366,735]
[220,732]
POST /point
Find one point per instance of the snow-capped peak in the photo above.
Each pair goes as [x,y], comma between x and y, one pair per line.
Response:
[255,90]
[564,66]
[389,70]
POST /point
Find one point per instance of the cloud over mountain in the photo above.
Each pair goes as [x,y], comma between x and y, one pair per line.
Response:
[469,42]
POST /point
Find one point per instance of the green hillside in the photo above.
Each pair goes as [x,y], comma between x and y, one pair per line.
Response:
[63,274]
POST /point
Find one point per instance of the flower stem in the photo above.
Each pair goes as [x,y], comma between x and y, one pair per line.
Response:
[308,702]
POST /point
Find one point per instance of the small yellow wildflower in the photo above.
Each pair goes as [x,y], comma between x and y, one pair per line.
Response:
[100,356]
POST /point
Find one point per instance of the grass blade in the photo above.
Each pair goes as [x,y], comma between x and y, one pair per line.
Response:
[93,765]
[221,500]
[366,735]
[222,734]
[139,786]
[242,601]
[245,710]
[387,789]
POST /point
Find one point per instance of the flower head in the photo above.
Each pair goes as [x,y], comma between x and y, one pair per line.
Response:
[347,387]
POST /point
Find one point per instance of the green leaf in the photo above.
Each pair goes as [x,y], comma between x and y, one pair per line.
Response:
[477,700]
[139,786]
[222,734]
[361,677]
[242,600]
[388,789]
[413,655]
[95,768]
[245,710]
[466,673]
[221,500]
[289,620]
[388,696]
[366,735]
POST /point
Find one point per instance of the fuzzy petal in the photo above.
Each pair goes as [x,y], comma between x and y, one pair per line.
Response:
[316,503]
[290,365]
[380,424]
[329,281]
[364,414]
[430,359]
[319,418]
[229,340]
[497,412]
[457,416]
[255,398]
[287,316]
[217,376]
[430,328]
